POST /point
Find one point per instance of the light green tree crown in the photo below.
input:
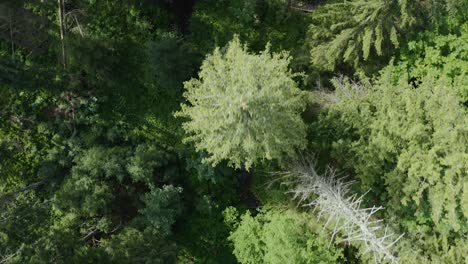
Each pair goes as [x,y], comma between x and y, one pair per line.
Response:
[244,107]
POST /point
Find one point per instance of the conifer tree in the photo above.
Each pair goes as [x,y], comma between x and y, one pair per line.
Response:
[355,31]
[244,107]
[408,146]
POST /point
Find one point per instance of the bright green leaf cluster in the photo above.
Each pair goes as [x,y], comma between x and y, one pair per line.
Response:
[275,236]
[244,107]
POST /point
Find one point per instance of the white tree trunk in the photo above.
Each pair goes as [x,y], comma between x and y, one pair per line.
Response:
[331,199]
[61,10]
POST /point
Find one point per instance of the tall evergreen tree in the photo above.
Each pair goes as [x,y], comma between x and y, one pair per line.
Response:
[244,107]
[352,32]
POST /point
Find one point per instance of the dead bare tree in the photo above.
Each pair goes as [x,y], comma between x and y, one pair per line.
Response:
[27,188]
[61,10]
[329,195]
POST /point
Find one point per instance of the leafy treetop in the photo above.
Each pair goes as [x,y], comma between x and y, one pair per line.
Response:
[244,107]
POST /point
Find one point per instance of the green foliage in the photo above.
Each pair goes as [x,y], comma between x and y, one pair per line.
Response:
[97,200]
[170,63]
[146,159]
[88,193]
[408,145]
[162,208]
[442,56]
[28,131]
[240,17]
[134,246]
[113,20]
[256,22]
[275,236]
[208,195]
[352,32]
[244,108]
[92,164]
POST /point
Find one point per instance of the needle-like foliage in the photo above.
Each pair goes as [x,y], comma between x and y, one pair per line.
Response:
[244,107]
[361,30]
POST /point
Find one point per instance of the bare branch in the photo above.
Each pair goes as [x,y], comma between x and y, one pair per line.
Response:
[61,11]
[6,257]
[27,188]
[330,196]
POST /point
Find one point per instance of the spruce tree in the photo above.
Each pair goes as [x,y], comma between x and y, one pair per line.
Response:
[355,31]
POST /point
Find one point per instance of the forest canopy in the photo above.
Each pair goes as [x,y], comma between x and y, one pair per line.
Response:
[234,131]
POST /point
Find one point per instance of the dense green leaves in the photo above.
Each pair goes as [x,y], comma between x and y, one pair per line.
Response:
[275,236]
[93,165]
[442,56]
[408,145]
[244,108]
[134,246]
[358,32]
[162,208]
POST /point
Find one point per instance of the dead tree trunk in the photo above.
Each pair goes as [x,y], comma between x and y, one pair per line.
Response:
[245,194]
[61,9]
[27,188]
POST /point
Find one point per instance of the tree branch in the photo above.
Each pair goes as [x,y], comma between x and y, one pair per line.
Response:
[27,188]
[330,196]
[61,10]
